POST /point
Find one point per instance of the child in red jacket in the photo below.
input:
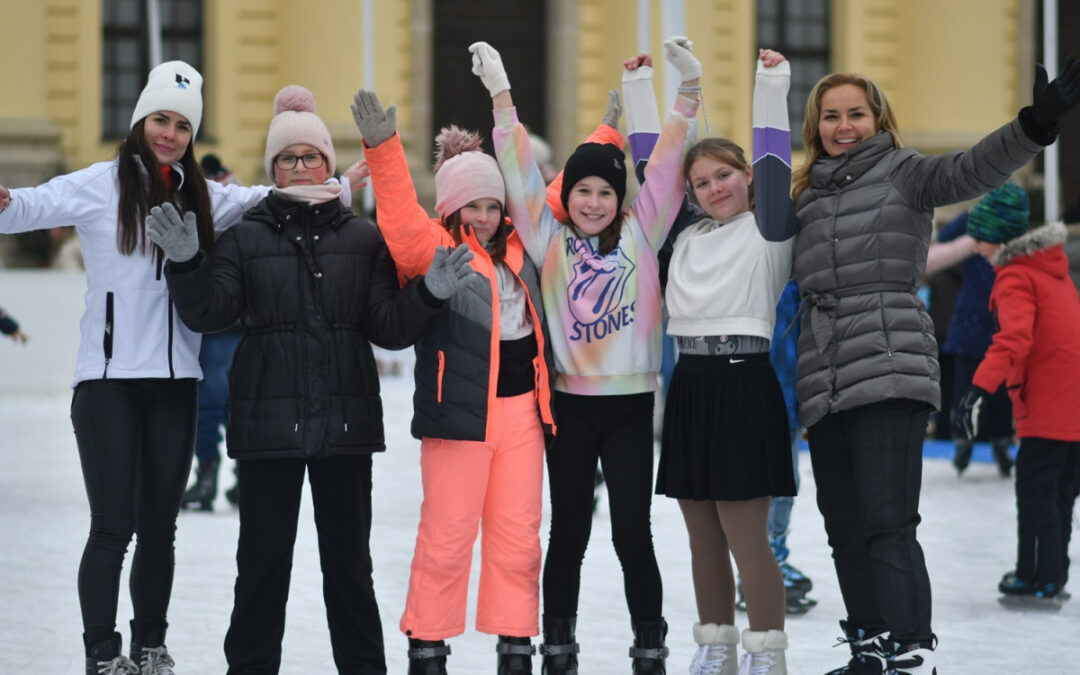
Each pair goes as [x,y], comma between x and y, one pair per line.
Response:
[1036,353]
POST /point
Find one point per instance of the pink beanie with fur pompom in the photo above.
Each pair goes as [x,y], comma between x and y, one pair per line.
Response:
[295,122]
[464,172]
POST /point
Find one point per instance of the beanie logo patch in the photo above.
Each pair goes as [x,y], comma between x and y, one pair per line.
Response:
[182,82]
[618,164]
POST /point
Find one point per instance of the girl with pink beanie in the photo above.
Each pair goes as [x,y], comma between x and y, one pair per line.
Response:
[313,286]
[482,403]
[601,292]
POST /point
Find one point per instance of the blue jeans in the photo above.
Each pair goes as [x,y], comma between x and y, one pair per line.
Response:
[215,358]
[780,507]
[868,468]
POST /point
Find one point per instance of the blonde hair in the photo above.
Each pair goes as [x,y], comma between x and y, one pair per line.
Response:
[722,150]
[884,120]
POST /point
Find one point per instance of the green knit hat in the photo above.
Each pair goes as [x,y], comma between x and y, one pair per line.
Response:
[1000,216]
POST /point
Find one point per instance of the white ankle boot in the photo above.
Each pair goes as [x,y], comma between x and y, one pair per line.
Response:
[716,650]
[913,659]
[764,652]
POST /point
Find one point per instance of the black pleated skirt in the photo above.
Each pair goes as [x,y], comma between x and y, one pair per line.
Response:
[725,434]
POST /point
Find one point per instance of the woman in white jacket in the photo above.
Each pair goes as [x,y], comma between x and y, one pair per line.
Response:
[134,402]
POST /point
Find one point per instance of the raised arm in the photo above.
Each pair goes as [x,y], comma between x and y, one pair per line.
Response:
[772,148]
[410,233]
[937,180]
[526,194]
[661,195]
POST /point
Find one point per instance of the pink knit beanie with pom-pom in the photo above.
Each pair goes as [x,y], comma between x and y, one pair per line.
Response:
[463,172]
[294,122]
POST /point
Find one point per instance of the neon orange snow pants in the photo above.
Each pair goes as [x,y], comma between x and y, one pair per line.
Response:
[466,483]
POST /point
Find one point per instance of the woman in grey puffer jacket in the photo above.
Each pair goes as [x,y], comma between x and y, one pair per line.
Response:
[868,369]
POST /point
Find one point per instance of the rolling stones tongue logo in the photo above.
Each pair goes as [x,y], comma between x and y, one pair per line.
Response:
[596,292]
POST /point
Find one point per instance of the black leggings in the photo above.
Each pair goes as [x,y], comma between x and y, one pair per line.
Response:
[136,438]
[617,430]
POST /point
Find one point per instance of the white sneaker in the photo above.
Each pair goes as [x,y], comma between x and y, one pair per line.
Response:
[716,651]
[764,653]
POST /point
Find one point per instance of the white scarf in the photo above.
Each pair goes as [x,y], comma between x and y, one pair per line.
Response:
[311,194]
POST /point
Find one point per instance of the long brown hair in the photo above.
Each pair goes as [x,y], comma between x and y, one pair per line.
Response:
[884,120]
[722,150]
[142,186]
[496,246]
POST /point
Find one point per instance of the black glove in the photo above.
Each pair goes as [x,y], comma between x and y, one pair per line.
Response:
[1051,101]
[969,410]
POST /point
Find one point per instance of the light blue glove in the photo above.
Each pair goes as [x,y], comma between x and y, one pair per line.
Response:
[179,239]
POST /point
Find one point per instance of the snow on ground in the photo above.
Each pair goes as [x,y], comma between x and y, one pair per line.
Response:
[968,533]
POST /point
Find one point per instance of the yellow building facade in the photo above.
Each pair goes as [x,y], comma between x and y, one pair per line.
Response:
[953,70]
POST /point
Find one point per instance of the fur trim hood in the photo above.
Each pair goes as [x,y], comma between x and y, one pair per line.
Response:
[1039,239]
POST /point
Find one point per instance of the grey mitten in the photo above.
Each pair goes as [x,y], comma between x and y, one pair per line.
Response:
[614,109]
[449,271]
[375,124]
[178,238]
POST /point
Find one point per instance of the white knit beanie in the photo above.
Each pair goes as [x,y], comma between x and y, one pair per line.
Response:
[174,86]
[295,122]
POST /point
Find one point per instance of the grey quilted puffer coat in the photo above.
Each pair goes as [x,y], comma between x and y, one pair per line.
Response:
[864,232]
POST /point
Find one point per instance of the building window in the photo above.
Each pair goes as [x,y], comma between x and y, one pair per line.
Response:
[126,52]
[800,30]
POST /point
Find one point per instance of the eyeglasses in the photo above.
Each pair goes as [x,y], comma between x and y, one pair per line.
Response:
[288,162]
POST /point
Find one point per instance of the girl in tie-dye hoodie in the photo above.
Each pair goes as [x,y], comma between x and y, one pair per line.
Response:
[601,294]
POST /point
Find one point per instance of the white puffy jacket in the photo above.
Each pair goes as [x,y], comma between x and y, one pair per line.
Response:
[129,326]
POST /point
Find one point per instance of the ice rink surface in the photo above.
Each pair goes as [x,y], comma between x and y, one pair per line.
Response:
[968,534]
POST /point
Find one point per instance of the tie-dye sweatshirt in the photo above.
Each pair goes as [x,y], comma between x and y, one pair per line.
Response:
[603,311]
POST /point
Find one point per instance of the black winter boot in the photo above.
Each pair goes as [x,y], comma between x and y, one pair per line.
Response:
[515,655]
[103,657]
[233,493]
[559,649]
[649,652]
[427,657]
[962,455]
[1000,447]
[869,653]
[148,650]
[202,492]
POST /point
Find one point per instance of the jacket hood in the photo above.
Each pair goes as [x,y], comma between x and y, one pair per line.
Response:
[1034,241]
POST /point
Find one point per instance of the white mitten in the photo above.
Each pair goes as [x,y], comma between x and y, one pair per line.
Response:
[679,52]
[488,66]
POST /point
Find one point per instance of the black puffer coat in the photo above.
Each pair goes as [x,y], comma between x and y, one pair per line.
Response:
[311,285]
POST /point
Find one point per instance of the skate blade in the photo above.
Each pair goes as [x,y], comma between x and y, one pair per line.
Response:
[800,606]
[1030,603]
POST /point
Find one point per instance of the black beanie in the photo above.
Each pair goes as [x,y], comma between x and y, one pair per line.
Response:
[595,159]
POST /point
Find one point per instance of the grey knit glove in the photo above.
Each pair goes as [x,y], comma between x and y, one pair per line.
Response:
[449,271]
[374,124]
[179,239]
[614,109]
